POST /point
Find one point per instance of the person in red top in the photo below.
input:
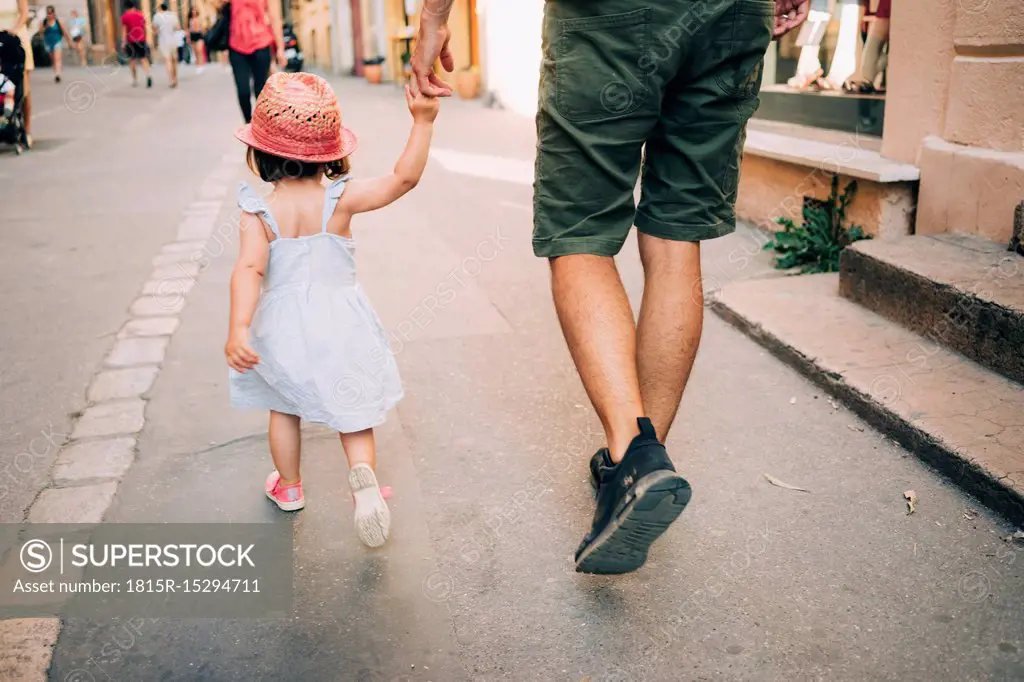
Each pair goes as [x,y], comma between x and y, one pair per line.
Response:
[255,31]
[133,41]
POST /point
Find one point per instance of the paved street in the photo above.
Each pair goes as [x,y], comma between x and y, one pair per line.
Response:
[487,453]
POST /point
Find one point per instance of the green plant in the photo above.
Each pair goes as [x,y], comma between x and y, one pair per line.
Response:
[815,245]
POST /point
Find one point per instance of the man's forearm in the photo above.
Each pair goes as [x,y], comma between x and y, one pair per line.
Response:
[435,12]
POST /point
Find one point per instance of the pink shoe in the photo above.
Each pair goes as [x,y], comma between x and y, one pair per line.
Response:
[286,497]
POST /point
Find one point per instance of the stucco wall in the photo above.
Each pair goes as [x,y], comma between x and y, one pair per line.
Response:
[955,107]
[920,57]
[969,190]
[770,189]
[511,32]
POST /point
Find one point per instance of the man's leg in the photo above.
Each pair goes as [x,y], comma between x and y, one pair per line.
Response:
[133,67]
[670,324]
[592,123]
[689,185]
[597,322]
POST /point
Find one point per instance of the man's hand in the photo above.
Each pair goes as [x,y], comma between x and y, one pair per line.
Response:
[431,43]
[788,15]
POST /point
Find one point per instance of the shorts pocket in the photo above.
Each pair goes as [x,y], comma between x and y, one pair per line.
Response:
[742,46]
[597,65]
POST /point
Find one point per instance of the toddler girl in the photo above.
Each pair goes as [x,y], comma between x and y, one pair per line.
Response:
[309,346]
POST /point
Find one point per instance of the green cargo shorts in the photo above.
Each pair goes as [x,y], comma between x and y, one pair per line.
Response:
[666,85]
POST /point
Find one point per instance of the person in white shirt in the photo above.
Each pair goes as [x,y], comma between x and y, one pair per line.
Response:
[77,28]
[166,24]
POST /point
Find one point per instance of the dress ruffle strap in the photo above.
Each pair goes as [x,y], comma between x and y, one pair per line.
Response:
[331,197]
[250,201]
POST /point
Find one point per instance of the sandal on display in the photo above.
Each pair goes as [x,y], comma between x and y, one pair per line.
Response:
[858,86]
[805,82]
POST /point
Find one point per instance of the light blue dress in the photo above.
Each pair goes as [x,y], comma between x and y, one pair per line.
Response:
[323,351]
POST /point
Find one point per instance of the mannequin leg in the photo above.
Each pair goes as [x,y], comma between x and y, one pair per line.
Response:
[873,60]
[808,66]
[844,61]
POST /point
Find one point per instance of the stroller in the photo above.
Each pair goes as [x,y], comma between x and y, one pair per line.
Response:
[12,77]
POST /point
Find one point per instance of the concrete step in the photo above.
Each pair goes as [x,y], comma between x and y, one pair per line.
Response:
[963,419]
[963,292]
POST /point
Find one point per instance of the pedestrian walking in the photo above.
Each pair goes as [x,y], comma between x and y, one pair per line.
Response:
[624,83]
[133,41]
[14,19]
[181,43]
[167,26]
[304,342]
[250,39]
[197,33]
[77,27]
[53,39]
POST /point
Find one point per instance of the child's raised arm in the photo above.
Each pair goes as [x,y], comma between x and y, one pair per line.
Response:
[246,280]
[367,195]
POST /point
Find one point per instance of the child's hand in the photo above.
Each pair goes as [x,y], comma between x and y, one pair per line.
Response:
[423,109]
[238,352]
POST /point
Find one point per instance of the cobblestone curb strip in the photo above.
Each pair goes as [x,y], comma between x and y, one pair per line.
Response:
[101,449]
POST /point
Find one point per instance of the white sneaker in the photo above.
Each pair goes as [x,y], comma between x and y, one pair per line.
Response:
[199,69]
[372,516]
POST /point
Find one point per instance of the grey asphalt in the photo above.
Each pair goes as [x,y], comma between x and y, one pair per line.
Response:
[80,217]
[487,453]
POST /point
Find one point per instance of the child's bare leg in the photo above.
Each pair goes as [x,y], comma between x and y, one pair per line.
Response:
[285,445]
[359,448]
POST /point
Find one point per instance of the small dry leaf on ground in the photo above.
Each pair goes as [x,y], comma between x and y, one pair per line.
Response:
[911,498]
[970,514]
[782,484]
[854,428]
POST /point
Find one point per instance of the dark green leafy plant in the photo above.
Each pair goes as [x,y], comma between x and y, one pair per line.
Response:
[815,245]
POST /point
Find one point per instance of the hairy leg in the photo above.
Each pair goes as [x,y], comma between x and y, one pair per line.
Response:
[670,323]
[597,323]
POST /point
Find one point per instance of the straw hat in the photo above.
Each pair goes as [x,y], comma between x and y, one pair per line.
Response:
[297,117]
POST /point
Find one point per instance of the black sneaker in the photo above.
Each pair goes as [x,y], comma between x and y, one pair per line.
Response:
[149,82]
[637,499]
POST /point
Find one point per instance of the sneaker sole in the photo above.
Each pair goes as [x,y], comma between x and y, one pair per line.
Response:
[372,516]
[658,500]
[287,506]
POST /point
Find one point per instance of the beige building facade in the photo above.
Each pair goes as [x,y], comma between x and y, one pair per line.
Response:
[951,155]
[958,71]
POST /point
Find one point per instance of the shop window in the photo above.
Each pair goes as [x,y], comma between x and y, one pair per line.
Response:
[831,72]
